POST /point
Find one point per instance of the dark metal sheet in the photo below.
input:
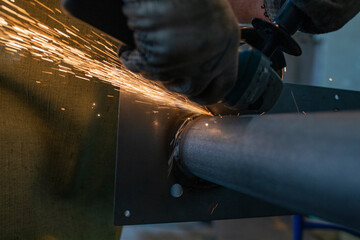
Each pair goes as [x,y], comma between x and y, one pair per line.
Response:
[142,177]
[304,99]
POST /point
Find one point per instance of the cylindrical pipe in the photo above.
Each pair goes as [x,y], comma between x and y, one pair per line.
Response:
[307,163]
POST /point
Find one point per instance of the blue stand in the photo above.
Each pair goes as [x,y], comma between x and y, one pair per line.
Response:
[300,224]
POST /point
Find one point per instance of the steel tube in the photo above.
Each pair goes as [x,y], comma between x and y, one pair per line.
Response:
[307,163]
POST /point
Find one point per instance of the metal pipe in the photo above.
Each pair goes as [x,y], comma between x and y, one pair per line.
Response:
[306,163]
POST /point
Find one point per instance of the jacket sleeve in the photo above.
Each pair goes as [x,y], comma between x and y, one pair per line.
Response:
[272,8]
[324,15]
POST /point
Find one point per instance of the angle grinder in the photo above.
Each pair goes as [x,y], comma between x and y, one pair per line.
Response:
[261,59]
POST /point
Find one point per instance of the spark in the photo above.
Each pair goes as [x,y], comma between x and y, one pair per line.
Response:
[72,53]
[44,6]
[297,107]
[213,209]
[84,78]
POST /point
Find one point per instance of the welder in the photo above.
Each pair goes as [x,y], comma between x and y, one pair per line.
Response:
[192,46]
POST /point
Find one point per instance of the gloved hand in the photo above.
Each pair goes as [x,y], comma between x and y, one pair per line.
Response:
[189,45]
[324,15]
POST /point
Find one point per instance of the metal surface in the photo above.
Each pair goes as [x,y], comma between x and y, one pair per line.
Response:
[306,163]
[143,184]
[144,187]
[57,156]
[304,99]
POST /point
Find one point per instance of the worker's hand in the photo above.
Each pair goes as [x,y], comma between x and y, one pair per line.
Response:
[324,15]
[189,45]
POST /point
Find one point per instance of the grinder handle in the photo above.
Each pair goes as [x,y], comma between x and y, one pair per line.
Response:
[278,34]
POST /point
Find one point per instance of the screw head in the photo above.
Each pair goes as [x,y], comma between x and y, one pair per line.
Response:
[176,190]
[127,213]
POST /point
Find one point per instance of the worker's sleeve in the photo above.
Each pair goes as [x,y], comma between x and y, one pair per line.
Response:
[272,8]
[324,15]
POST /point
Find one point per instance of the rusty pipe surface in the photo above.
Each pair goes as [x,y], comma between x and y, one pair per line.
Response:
[306,163]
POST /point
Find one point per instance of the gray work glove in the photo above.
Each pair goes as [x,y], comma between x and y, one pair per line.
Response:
[189,45]
[324,15]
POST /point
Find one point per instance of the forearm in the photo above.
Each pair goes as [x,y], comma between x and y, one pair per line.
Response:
[246,10]
[323,15]
[327,15]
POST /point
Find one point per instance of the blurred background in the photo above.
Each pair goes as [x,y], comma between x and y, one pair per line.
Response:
[328,60]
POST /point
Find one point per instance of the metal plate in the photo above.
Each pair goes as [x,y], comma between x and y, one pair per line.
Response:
[143,181]
[305,99]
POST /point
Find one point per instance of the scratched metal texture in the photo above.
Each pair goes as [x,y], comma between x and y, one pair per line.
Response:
[56,166]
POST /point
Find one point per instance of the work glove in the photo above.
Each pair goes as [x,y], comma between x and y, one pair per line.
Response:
[323,15]
[189,45]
